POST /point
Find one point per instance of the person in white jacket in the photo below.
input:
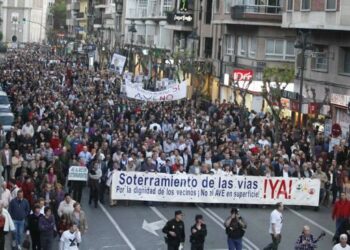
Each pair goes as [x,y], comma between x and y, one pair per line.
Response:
[70,238]
[6,225]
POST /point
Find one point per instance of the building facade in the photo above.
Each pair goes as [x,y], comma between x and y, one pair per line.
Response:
[327,65]
[248,35]
[27,20]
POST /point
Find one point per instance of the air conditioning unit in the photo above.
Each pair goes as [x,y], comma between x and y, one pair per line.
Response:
[227,58]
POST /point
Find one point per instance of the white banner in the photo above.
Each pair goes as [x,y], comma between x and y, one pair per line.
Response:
[118,63]
[173,93]
[214,189]
[78,173]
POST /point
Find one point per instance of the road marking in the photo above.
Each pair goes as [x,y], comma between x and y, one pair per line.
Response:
[218,222]
[157,212]
[117,227]
[249,242]
[153,227]
[311,221]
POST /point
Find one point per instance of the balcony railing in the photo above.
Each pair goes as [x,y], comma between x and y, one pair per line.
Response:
[81,15]
[150,40]
[257,12]
[151,12]
[98,21]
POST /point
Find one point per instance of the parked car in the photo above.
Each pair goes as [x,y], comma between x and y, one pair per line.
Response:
[6,120]
[4,100]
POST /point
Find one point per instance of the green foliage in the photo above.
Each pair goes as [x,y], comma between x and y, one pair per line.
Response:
[272,93]
[59,14]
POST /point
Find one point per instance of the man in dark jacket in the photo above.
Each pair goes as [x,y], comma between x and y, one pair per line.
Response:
[235,229]
[19,210]
[47,229]
[198,233]
[33,227]
[175,231]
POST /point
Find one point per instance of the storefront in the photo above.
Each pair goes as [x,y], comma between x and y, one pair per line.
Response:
[340,112]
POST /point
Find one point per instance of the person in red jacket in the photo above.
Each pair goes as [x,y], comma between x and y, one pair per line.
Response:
[341,211]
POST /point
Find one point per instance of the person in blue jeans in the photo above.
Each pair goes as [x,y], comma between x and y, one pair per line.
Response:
[235,228]
[19,209]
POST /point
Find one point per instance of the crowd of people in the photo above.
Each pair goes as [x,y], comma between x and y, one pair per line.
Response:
[67,115]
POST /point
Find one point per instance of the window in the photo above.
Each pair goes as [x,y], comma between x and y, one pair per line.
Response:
[217,6]
[289,5]
[319,58]
[230,45]
[279,49]
[305,5]
[252,47]
[242,46]
[208,47]
[331,4]
[346,61]
[208,12]
[228,5]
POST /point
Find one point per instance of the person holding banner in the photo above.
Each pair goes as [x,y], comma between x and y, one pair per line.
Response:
[175,232]
[235,230]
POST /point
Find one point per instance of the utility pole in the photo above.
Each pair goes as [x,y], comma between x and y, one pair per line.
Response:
[303,44]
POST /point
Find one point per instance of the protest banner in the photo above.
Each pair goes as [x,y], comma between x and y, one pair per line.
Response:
[214,189]
[78,173]
[173,93]
[117,63]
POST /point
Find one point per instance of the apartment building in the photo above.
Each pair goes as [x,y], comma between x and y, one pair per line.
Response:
[248,35]
[149,17]
[35,13]
[73,8]
[327,23]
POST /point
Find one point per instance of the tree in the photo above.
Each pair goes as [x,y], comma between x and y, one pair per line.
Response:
[58,11]
[275,82]
[240,89]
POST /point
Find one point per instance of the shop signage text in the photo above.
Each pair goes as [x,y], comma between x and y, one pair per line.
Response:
[242,74]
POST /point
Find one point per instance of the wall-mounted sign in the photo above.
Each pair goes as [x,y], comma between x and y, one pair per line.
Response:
[183,18]
[242,75]
[183,5]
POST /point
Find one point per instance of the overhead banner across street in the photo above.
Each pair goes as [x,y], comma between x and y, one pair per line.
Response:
[173,93]
[214,189]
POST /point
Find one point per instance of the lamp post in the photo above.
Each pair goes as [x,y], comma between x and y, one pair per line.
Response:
[303,44]
[133,30]
[194,37]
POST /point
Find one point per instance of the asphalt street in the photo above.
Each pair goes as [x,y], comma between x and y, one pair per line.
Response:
[138,226]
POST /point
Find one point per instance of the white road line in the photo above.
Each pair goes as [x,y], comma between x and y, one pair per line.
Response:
[157,212]
[117,227]
[249,242]
[311,221]
[220,224]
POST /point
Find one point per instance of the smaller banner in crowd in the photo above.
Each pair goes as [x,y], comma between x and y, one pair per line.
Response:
[118,63]
[173,93]
[214,189]
[78,173]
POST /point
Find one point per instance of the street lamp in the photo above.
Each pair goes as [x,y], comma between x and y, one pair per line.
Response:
[303,44]
[133,30]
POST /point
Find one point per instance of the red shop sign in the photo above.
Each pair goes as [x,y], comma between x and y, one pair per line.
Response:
[242,74]
[313,108]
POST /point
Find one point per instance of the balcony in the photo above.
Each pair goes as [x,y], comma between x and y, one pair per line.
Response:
[75,6]
[100,4]
[81,16]
[264,13]
[108,16]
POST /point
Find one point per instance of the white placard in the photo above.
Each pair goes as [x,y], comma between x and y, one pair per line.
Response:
[118,63]
[78,173]
[214,188]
